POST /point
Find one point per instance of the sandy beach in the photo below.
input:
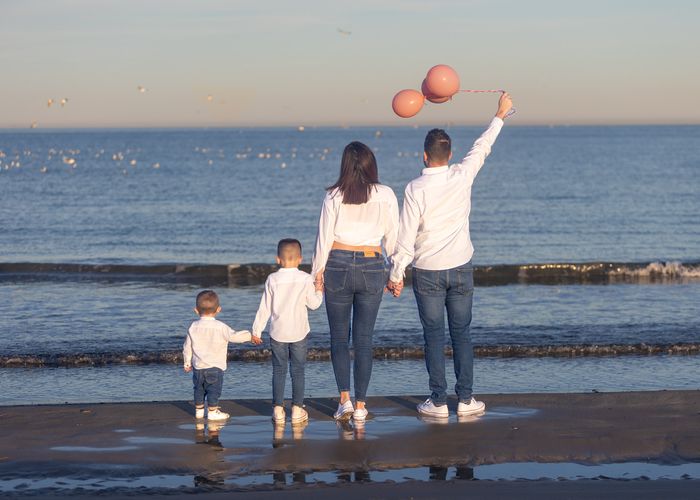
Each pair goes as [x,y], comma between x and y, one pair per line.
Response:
[158,448]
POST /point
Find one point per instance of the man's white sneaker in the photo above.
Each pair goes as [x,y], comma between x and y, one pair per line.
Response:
[299,414]
[344,411]
[429,409]
[360,414]
[473,407]
[199,413]
[278,415]
[217,415]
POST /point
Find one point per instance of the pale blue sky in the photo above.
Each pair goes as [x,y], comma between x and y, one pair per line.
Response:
[284,62]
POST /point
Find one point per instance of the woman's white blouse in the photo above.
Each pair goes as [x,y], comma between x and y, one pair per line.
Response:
[375,223]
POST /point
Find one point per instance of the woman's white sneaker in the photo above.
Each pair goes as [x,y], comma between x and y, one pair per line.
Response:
[199,413]
[473,407]
[278,415]
[360,414]
[299,414]
[217,415]
[344,411]
[429,409]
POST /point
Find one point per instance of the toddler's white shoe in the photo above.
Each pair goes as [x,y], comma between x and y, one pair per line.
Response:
[278,415]
[199,413]
[472,407]
[429,409]
[344,411]
[360,414]
[217,415]
[299,414]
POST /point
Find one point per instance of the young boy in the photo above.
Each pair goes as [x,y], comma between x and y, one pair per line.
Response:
[205,351]
[288,293]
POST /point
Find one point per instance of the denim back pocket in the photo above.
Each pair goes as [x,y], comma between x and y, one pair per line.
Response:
[334,279]
[465,279]
[426,281]
[375,280]
[211,376]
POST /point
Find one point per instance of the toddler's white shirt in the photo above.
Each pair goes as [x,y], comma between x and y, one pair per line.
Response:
[206,345]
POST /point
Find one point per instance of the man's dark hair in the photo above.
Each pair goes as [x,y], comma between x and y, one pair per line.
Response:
[287,243]
[438,146]
[207,302]
[358,174]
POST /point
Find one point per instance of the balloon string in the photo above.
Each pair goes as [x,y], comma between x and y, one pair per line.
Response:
[473,91]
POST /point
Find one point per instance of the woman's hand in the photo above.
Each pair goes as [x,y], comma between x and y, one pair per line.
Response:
[394,287]
[318,281]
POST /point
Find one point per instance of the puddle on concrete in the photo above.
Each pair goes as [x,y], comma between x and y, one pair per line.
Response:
[94,449]
[156,440]
[497,472]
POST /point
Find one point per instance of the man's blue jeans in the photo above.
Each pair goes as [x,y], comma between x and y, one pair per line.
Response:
[284,354]
[437,291]
[207,383]
[354,286]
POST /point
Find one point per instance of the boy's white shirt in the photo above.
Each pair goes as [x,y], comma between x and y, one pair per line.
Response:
[434,230]
[288,294]
[206,344]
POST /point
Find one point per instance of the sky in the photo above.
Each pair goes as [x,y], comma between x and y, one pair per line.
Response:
[286,62]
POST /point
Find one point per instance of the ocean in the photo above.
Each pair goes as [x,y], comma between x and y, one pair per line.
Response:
[587,256]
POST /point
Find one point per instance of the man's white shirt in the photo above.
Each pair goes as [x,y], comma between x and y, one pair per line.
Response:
[287,295]
[434,229]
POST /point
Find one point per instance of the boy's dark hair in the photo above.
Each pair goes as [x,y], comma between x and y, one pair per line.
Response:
[207,302]
[438,146]
[286,243]
[358,174]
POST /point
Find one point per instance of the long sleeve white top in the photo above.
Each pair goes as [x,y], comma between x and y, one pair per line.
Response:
[434,231]
[374,223]
[288,294]
[206,344]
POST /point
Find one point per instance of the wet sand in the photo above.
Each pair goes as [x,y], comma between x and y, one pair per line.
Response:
[130,440]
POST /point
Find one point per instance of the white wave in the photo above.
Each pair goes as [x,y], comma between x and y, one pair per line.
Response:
[671,269]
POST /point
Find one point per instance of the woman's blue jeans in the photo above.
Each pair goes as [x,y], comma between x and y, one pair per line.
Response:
[354,286]
[435,292]
[294,355]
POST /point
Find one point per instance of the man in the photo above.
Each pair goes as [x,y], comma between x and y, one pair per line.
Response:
[434,236]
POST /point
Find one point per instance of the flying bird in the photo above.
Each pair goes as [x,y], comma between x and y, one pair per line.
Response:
[344,32]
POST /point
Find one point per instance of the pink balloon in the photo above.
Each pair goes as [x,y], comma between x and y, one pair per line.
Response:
[442,81]
[407,103]
[431,97]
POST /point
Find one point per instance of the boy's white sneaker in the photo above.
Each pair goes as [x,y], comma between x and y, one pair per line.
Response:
[429,409]
[344,411]
[473,407]
[278,415]
[360,414]
[217,415]
[199,413]
[299,414]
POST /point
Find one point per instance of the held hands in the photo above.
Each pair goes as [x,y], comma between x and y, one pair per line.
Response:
[505,104]
[256,340]
[318,281]
[394,288]
[187,368]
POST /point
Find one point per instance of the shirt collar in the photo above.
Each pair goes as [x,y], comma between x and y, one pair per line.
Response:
[434,170]
[207,317]
[288,269]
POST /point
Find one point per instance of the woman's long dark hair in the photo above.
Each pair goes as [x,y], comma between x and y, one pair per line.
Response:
[358,174]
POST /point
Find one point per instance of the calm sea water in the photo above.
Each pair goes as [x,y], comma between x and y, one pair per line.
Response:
[146,197]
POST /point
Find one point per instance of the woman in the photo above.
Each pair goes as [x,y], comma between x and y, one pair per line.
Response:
[359,216]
